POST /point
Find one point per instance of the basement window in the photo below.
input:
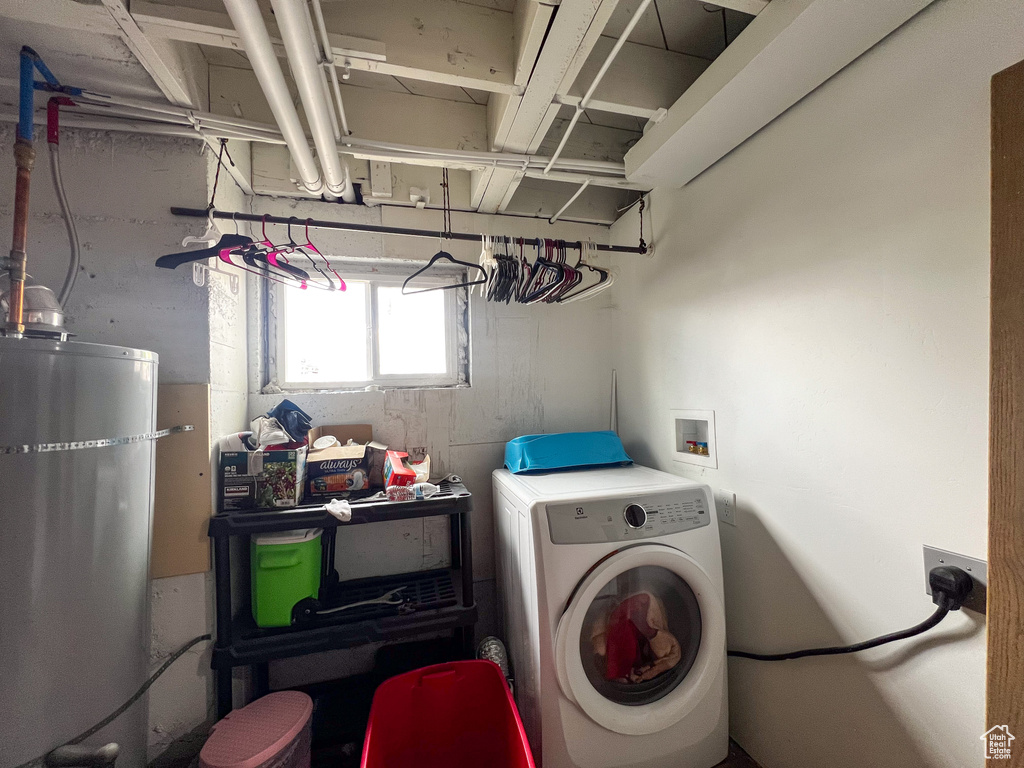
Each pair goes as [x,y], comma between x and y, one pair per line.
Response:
[369,334]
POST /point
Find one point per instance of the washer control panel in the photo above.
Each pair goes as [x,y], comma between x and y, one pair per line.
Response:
[630,518]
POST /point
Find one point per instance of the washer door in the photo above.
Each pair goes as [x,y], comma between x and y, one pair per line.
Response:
[641,640]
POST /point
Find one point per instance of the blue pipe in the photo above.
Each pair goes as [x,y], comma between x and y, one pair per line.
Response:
[26,102]
[31,61]
[37,60]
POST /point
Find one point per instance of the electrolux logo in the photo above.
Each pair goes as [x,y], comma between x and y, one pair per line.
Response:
[998,742]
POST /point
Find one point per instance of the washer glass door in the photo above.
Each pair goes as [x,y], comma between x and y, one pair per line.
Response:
[640,635]
[642,639]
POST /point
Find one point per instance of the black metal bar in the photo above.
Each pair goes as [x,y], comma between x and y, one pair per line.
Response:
[200,213]
[224,698]
[455,541]
[463,541]
[260,680]
[466,547]
[222,590]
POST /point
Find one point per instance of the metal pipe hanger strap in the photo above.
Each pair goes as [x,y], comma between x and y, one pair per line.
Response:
[105,442]
[202,213]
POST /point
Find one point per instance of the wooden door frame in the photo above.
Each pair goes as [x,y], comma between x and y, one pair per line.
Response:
[1005,669]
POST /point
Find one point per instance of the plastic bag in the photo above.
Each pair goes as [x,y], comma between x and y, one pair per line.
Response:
[293,420]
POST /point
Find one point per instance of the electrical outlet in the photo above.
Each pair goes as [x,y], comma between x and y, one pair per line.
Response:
[978,570]
[725,504]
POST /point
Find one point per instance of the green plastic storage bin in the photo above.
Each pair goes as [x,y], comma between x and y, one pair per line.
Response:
[285,569]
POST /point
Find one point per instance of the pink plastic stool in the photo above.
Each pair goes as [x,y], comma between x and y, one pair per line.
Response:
[272,732]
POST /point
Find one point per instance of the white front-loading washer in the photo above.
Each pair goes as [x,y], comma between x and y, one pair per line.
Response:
[613,610]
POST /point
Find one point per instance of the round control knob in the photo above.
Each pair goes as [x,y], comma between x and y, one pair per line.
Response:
[636,516]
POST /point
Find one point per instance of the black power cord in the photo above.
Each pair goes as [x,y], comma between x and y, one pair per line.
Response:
[950,587]
[42,760]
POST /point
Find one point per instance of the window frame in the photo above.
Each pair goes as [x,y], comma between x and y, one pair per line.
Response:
[456,313]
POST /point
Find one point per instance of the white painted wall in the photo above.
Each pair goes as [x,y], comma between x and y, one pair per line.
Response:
[824,289]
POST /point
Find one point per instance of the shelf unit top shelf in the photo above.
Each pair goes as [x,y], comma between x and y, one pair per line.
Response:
[453,499]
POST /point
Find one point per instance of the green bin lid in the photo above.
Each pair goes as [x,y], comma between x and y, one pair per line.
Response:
[288,537]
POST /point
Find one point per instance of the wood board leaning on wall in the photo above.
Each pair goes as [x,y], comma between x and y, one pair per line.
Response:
[183,501]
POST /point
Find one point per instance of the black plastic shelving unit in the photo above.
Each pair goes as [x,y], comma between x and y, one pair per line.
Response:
[434,601]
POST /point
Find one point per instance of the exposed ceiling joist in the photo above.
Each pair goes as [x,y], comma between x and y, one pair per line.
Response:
[530,22]
[178,69]
[62,13]
[753,7]
[642,80]
[215,29]
[348,52]
[520,124]
[168,65]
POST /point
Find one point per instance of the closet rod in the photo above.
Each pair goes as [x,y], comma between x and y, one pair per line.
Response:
[201,213]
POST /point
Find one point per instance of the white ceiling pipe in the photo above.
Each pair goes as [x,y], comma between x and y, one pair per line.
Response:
[132,113]
[597,81]
[315,42]
[292,20]
[245,16]
[570,201]
[614,182]
[76,119]
[505,159]
[328,62]
[534,172]
[176,111]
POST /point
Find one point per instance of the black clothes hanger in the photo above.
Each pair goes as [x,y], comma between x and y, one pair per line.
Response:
[175,260]
[292,247]
[447,257]
[545,275]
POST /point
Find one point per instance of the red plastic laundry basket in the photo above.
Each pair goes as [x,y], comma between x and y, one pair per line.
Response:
[456,715]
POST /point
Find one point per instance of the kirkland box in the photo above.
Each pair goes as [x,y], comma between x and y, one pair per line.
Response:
[261,479]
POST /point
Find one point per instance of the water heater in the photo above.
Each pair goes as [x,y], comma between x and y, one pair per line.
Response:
[75,526]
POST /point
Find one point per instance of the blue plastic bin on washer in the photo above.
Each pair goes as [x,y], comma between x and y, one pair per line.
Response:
[567,450]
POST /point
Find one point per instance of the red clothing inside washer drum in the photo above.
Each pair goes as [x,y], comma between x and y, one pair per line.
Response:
[635,640]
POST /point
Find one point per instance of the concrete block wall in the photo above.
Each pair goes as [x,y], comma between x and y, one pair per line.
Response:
[534,369]
[120,188]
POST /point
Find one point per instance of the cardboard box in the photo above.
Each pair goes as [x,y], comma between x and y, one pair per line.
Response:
[261,479]
[334,473]
[395,470]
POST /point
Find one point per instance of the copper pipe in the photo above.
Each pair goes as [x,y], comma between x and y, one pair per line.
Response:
[24,158]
